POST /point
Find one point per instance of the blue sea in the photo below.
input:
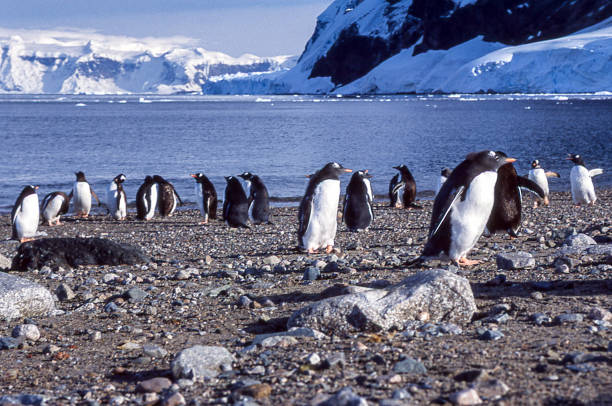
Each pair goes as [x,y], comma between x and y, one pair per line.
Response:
[45,139]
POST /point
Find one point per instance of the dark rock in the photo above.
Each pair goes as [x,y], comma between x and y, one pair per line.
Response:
[73,252]
[8,343]
[64,292]
[23,399]
[312,273]
[581,367]
[491,335]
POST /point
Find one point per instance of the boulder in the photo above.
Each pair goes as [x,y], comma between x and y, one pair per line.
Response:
[72,252]
[20,298]
[440,295]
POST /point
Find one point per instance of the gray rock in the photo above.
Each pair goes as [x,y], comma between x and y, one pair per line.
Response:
[344,397]
[8,343]
[492,389]
[409,366]
[333,359]
[21,298]
[540,318]
[23,399]
[491,335]
[568,318]
[64,292]
[293,332]
[272,260]
[154,351]
[5,263]
[135,295]
[155,385]
[28,331]
[441,295]
[602,249]
[579,240]
[466,397]
[515,260]
[200,362]
[312,273]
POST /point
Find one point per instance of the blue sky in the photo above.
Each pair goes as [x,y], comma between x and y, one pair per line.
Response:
[261,27]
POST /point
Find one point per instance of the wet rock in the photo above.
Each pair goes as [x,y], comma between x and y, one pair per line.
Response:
[73,252]
[28,331]
[156,385]
[201,362]
[20,298]
[443,295]
[515,260]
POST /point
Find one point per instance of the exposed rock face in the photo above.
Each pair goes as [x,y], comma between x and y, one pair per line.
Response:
[72,252]
[362,34]
[437,295]
[21,298]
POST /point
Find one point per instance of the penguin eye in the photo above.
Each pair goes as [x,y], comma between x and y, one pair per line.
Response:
[493,154]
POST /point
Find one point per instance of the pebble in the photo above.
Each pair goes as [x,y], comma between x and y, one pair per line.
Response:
[28,331]
[244,301]
[174,399]
[409,366]
[9,343]
[537,295]
[154,351]
[313,359]
[135,295]
[515,260]
[598,313]
[491,335]
[256,391]
[312,273]
[492,389]
[64,292]
[466,397]
[568,318]
[156,385]
[272,260]
[540,318]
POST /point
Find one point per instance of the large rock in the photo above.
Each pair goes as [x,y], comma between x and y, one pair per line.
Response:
[201,362]
[72,252]
[439,295]
[21,298]
[5,263]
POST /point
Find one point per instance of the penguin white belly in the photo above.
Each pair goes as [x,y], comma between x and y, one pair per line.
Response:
[111,199]
[583,191]
[539,177]
[26,221]
[441,181]
[251,206]
[122,209]
[371,196]
[323,222]
[151,208]
[174,203]
[200,199]
[469,217]
[82,198]
[51,211]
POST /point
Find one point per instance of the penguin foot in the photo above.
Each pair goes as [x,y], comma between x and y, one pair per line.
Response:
[468,262]
[203,222]
[312,251]
[26,239]
[546,202]
[329,249]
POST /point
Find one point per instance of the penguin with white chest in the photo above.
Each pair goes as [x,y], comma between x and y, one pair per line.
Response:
[583,191]
[318,211]
[235,204]
[82,193]
[463,206]
[358,200]
[167,197]
[146,199]
[258,200]
[444,174]
[25,215]
[53,206]
[206,196]
[402,188]
[116,199]
[540,177]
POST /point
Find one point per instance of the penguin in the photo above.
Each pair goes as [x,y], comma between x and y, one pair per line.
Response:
[235,204]
[463,206]
[206,196]
[167,197]
[116,199]
[358,200]
[82,193]
[537,175]
[507,207]
[583,191]
[146,199]
[444,174]
[25,215]
[402,188]
[53,206]
[258,200]
[318,211]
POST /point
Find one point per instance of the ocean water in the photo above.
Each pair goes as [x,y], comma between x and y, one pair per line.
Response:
[45,139]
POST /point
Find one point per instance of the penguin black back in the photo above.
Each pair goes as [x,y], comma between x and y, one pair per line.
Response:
[141,195]
[235,204]
[258,200]
[209,194]
[406,182]
[357,207]
[167,197]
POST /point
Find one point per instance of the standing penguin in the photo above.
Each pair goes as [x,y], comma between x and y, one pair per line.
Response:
[116,198]
[53,206]
[82,193]
[444,174]
[507,208]
[402,188]
[206,196]
[537,175]
[318,210]
[168,199]
[146,199]
[235,204]
[25,215]
[357,207]
[259,200]
[583,191]
[463,206]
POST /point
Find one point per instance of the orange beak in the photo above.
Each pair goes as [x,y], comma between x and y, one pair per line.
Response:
[347,170]
[192,175]
[510,160]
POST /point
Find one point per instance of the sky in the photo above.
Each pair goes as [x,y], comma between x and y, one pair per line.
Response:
[235,27]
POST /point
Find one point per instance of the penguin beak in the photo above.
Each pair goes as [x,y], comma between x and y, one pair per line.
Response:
[396,167]
[36,187]
[193,175]
[569,157]
[510,160]
[347,170]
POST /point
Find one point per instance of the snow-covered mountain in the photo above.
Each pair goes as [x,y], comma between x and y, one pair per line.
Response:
[91,63]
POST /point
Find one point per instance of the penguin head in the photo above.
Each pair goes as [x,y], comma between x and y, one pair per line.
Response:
[336,168]
[490,160]
[445,172]
[575,158]
[31,188]
[158,179]
[228,179]
[148,179]
[246,176]
[535,164]
[363,174]
[197,176]
[119,178]
[80,176]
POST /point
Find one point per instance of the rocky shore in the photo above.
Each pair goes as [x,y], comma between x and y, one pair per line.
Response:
[225,316]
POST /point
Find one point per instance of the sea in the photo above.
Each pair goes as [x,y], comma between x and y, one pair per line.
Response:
[45,139]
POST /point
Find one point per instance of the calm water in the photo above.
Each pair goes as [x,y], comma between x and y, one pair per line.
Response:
[45,139]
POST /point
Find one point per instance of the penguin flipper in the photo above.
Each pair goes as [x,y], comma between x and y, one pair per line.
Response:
[304,214]
[397,187]
[95,196]
[595,172]
[178,197]
[531,186]
[446,210]
[551,174]
[213,208]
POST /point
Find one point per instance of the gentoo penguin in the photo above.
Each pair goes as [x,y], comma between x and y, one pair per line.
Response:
[507,208]
[537,175]
[53,206]
[357,207]
[116,198]
[235,204]
[583,191]
[259,200]
[444,174]
[167,197]
[25,215]
[402,188]
[82,193]
[206,196]
[463,206]
[146,199]
[318,210]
